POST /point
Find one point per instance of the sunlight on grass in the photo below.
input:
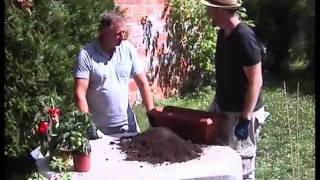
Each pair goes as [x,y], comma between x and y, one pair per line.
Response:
[290,126]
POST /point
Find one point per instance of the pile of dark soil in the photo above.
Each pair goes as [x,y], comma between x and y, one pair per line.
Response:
[159,145]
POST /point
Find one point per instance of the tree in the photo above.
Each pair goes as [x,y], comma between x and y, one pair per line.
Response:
[287,28]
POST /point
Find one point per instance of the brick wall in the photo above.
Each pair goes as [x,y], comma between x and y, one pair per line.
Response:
[140,14]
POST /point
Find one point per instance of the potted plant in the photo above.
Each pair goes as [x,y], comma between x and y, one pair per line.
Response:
[81,158]
[60,137]
[49,135]
[77,141]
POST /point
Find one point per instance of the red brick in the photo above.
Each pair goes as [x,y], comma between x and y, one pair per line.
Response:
[154,1]
[138,10]
[133,86]
[128,9]
[153,9]
[158,93]
[142,52]
[140,1]
[162,38]
[149,9]
[132,19]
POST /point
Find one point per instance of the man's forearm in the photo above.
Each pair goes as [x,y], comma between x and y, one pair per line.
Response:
[250,100]
[82,105]
[254,77]
[80,91]
[146,95]
[145,91]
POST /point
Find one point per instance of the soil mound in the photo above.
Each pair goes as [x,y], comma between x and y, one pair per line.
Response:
[159,145]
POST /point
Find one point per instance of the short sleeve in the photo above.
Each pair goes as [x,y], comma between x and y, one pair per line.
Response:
[82,65]
[137,64]
[249,50]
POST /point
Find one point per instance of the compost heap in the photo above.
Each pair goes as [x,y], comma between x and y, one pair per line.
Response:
[159,145]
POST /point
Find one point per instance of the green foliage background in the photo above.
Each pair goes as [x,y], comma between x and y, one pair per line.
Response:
[40,51]
[192,42]
[287,27]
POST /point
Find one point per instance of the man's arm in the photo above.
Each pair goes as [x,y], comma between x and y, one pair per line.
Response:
[254,76]
[80,91]
[145,91]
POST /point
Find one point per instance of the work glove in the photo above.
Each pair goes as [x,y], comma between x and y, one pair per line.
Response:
[150,115]
[92,133]
[241,129]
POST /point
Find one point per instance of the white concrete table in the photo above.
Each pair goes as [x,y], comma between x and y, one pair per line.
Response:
[108,162]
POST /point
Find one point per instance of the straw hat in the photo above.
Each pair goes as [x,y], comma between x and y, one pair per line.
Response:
[226,4]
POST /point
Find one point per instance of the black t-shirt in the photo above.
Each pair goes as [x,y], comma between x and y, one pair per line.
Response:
[239,49]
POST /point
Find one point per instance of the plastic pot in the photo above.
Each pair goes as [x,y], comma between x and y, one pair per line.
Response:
[198,126]
[81,162]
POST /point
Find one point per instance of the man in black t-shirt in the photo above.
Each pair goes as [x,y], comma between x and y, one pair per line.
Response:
[239,82]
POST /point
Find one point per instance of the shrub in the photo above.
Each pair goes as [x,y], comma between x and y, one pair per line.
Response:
[192,44]
[41,45]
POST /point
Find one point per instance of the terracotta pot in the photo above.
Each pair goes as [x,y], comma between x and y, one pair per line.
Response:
[81,162]
[197,126]
[189,112]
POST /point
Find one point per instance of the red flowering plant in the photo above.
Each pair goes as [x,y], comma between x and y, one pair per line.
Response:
[55,133]
[60,136]
[47,131]
[55,136]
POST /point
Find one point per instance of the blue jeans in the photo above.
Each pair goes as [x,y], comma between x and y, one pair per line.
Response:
[130,127]
[132,121]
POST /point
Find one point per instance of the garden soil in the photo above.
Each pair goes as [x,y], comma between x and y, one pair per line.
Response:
[159,145]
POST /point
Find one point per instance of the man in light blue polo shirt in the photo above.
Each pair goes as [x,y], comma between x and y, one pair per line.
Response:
[102,72]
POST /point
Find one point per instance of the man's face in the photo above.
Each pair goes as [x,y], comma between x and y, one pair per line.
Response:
[115,34]
[212,13]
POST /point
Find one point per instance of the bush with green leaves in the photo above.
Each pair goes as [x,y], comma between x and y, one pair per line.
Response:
[76,135]
[191,41]
[40,50]
[287,27]
[192,44]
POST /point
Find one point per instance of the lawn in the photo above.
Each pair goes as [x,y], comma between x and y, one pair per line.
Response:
[286,149]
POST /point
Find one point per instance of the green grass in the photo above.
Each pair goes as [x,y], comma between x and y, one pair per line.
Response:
[286,149]
[287,146]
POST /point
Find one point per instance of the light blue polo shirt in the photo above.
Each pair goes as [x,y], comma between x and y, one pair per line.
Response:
[108,90]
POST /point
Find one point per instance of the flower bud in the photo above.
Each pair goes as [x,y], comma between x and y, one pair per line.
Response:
[43,127]
[54,114]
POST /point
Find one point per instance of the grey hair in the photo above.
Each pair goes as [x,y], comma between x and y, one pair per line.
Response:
[108,18]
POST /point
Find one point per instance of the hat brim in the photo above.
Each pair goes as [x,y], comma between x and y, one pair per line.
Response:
[236,6]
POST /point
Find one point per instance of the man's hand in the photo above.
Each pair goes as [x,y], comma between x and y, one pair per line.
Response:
[92,133]
[241,130]
[150,115]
